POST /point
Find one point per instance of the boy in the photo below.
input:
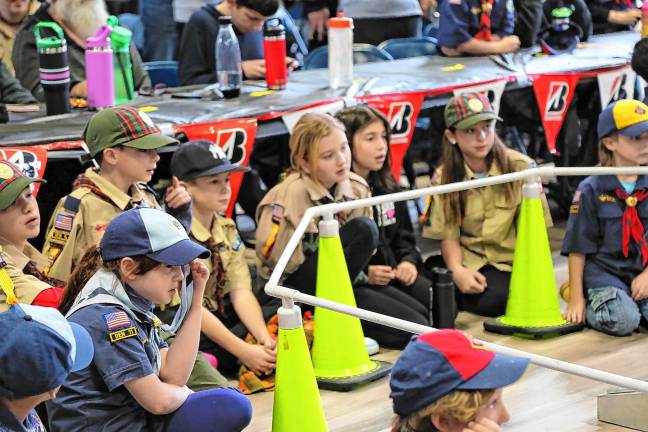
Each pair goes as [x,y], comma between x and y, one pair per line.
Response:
[124,144]
[21,265]
[613,15]
[39,349]
[231,309]
[445,381]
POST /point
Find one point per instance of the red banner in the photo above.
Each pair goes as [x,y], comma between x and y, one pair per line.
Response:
[554,94]
[31,160]
[401,110]
[235,137]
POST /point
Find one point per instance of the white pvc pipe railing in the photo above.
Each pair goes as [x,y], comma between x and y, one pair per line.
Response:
[327,211]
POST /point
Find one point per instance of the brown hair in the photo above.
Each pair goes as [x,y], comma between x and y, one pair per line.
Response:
[305,139]
[606,156]
[355,119]
[90,263]
[459,405]
[454,170]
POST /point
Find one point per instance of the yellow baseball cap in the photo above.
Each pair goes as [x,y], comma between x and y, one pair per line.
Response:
[627,117]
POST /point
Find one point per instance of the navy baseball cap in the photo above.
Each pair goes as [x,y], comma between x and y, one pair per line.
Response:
[435,364]
[39,349]
[628,117]
[201,158]
[151,233]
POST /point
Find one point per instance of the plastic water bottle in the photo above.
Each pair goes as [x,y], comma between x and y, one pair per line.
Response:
[54,68]
[228,59]
[274,52]
[99,70]
[340,55]
[120,40]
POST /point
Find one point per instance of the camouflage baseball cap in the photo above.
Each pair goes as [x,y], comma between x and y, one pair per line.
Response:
[467,110]
[124,126]
[12,182]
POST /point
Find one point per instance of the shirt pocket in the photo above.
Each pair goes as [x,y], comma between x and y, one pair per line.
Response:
[610,216]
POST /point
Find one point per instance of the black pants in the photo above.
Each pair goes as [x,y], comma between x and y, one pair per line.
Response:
[376,30]
[492,302]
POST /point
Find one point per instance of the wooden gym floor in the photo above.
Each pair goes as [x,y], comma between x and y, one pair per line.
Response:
[543,400]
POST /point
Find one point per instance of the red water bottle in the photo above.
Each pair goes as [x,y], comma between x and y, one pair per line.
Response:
[274,49]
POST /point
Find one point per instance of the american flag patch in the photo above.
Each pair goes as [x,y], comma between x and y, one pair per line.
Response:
[117,320]
[63,222]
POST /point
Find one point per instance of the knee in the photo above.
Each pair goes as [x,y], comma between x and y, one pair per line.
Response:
[612,311]
[239,409]
[364,230]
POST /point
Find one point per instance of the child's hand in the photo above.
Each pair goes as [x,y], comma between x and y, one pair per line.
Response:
[482,425]
[176,194]
[200,274]
[575,310]
[626,17]
[508,44]
[406,273]
[258,359]
[469,281]
[639,286]
[380,274]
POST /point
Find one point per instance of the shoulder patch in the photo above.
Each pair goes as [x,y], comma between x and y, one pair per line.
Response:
[121,334]
[236,244]
[72,204]
[63,222]
[117,320]
[277,213]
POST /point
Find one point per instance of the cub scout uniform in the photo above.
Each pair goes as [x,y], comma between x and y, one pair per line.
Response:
[282,208]
[80,219]
[462,20]
[13,261]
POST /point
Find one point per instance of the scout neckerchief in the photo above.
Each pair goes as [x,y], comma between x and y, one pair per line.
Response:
[83,181]
[631,223]
[31,269]
[219,270]
[485,24]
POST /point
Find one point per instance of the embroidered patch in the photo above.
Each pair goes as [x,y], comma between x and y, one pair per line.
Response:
[100,228]
[577,196]
[116,320]
[59,236]
[124,333]
[63,222]
[277,213]
[606,198]
[573,209]
[236,244]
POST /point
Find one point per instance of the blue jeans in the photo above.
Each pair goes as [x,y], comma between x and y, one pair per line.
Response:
[219,410]
[611,310]
[159,29]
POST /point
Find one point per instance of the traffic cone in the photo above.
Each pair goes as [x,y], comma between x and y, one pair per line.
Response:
[340,357]
[533,309]
[296,397]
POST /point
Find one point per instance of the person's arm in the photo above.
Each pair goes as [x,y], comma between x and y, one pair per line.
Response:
[576,307]
[478,47]
[528,21]
[404,246]
[26,64]
[11,92]
[156,396]
[249,311]
[140,76]
[468,281]
[179,359]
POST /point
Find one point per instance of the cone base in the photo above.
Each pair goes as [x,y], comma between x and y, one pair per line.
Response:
[348,383]
[495,325]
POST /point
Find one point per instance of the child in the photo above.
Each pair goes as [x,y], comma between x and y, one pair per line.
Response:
[640,62]
[605,239]
[478,27]
[24,265]
[231,309]
[446,382]
[135,379]
[124,144]
[477,227]
[39,349]
[612,16]
[394,268]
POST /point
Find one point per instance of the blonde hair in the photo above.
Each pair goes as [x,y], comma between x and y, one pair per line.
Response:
[459,405]
[305,139]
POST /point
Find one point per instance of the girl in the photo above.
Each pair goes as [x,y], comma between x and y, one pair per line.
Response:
[605,238]
[477,227]
[394,268]
[446,382]
[136,382]
[19,222]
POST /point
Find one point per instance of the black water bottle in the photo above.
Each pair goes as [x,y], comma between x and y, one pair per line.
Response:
[443,301]
[54,68]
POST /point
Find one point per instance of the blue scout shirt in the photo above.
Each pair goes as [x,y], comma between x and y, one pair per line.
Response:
[594,230]
[460,20]
[95,399]
[9,423]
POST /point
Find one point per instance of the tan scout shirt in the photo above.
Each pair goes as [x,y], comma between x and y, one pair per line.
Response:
[26,287]
[487,231]
[285,204]
[231,250]
[8,37]
[70,233]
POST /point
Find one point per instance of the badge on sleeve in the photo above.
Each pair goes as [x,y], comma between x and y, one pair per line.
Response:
[236,244]
[277,213]
[575,205]
[119,325]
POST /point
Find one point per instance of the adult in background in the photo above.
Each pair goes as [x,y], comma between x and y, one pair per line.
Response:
[79,19]
[13,14]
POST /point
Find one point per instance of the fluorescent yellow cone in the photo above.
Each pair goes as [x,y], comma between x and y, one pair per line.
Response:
[338,345]
[297,405]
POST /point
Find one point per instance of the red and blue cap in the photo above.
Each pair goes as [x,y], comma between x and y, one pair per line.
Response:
[435,364]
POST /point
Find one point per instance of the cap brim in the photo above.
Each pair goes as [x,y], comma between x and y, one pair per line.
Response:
[221,169]
[12,191]
[503,370]
[151,141]
[84,348]
[180,253]
[635,130]
[473,120]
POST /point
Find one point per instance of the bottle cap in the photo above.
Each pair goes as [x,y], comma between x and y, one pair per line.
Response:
[224,20]
[112,21]
[101,39]
[120,37]
[274,28]
[51,41]
[340,21]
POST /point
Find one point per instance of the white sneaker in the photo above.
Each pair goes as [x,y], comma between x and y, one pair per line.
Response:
[372,346]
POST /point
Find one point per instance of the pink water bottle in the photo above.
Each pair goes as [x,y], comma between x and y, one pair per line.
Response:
[99,69]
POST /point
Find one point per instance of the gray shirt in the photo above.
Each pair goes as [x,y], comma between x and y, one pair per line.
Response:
[380,8]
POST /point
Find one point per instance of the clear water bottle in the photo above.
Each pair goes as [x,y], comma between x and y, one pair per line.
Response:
[228,59]
[340,42]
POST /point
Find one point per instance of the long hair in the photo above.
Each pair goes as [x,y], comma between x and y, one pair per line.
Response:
[355,119]
[606,156]
[454,170]
[305,140]
[459,405]
[90,263]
